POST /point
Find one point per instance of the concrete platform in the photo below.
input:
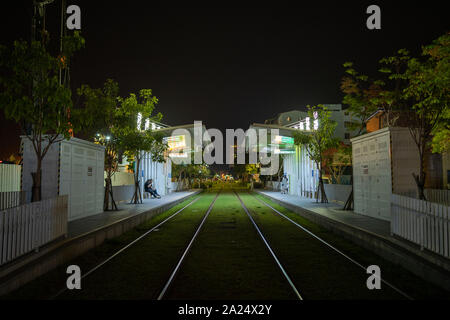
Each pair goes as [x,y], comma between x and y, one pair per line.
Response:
[334,211]
[126,210]
[370,233]
[83,235]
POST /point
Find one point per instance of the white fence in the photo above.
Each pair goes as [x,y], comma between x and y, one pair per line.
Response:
[12,199]
[424,223]
[28,227]
[10,177]
[438,196]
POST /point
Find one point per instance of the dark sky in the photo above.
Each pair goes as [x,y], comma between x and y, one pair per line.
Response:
[231,65]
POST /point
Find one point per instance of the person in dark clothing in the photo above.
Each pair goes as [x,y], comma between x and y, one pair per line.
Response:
[148,187]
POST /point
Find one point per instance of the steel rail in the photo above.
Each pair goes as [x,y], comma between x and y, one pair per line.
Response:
[270,249]
[186,251]
[330,246]
[126,247]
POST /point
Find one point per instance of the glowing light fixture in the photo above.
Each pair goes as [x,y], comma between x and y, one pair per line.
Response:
[139,121]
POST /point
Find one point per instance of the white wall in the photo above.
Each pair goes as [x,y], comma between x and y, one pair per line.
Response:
[382,164]
[82,177]
[337,192]
[302,173]
[121,178]
[161,173]
[49,183]
[74,167]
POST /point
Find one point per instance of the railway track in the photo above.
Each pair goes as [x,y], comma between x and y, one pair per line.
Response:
[186,251]
[287,268]
[266,239]
[119,252]
[283,271]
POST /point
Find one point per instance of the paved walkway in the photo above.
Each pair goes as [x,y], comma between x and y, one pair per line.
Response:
[85,225]
[334,211]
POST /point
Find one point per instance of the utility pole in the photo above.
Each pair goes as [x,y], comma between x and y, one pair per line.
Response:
[61,37]
[38,19]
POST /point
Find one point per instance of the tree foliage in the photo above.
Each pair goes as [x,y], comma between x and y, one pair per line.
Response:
[32,95]
[317,142]
[135,139]
[360,92]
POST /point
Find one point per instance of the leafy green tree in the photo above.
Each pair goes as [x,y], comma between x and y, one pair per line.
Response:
[186,171]
[32,95]
[134,140]
[100,109]
[317,142]
[338,161]
[428,92]
[360,92]
[415,89]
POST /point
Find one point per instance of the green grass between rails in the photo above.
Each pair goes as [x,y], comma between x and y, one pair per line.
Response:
[229,261]
[414,286]
[50,283]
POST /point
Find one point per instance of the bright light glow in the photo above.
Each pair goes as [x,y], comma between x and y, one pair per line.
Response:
[108,137]
[147,124]
[139,121]
[316,124]
[153,126]
[283,140]
[302,126]
[308,127]
[178,155]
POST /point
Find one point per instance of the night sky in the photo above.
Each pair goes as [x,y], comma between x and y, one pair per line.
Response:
[229,66]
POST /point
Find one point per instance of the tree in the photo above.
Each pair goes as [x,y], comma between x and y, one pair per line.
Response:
[133,137]
[428,89]
[338,160]
[101,113]
[32,95]
[318,141]
[417,90]
[360,92]
[190,170]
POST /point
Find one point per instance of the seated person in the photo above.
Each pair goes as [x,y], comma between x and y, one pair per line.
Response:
[148,187]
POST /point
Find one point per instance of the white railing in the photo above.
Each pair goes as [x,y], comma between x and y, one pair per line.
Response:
[12,199]
[28,227]
[10,177]
[424,223]
[438,196]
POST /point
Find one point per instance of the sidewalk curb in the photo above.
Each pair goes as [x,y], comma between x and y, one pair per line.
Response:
[423,264]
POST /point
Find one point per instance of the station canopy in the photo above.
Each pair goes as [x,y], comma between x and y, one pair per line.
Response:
[282,143]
